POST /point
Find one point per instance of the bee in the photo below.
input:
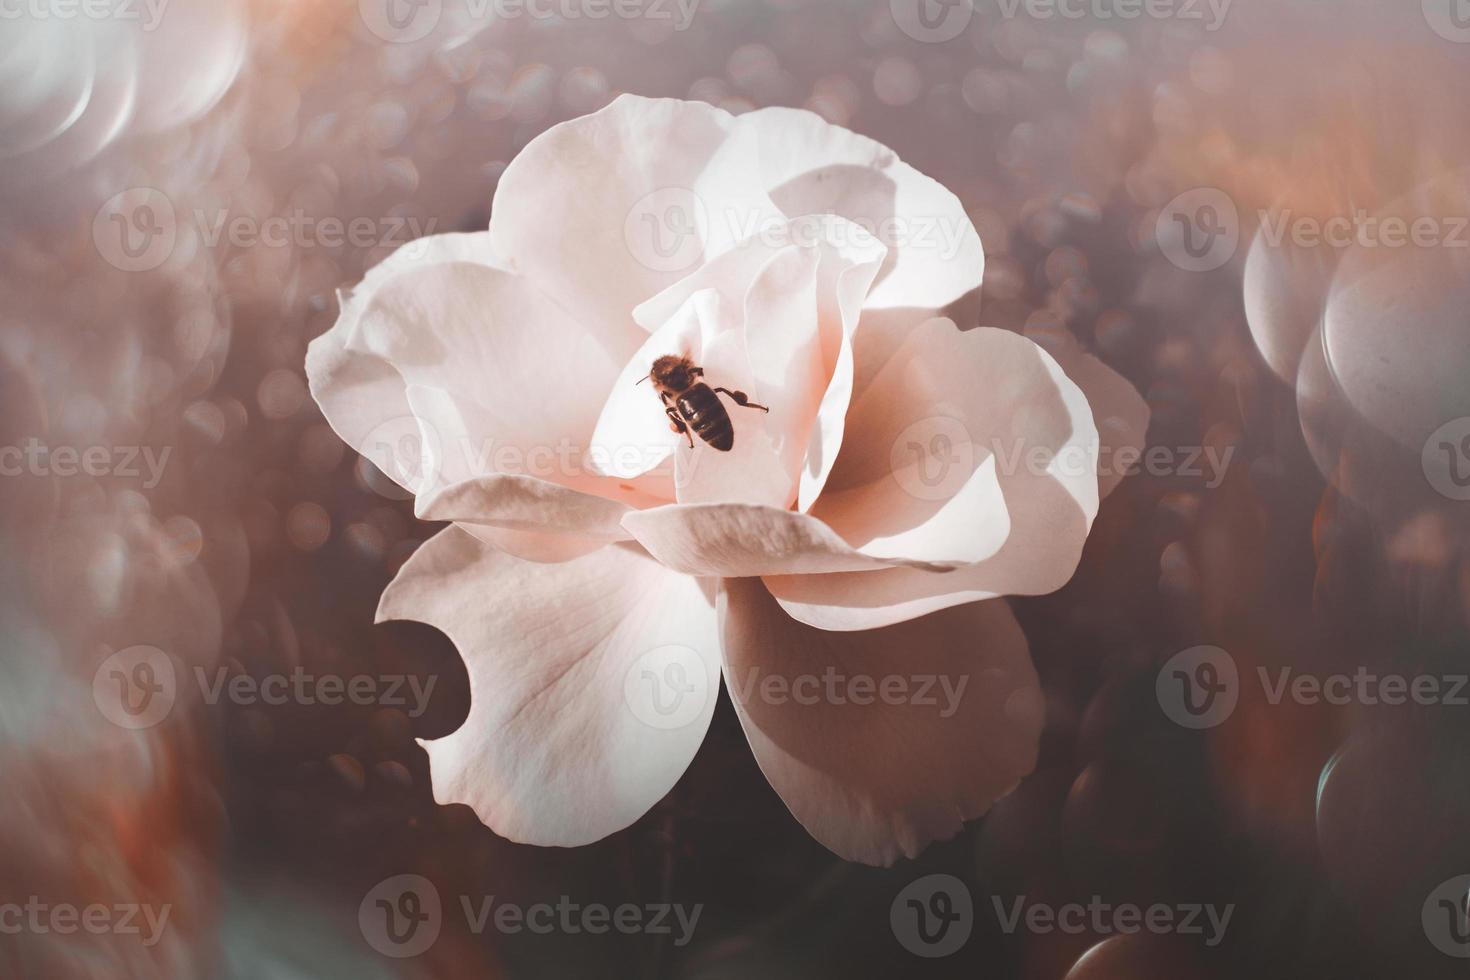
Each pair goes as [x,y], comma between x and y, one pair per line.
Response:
[693,406]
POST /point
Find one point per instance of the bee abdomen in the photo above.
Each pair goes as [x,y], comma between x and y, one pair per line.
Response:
[709,419]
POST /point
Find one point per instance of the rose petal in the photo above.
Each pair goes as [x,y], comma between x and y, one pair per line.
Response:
[633,434]
[708,328]
[1118,408]
[490,339]
[577,209]
[556,750]
[876,780]
[959,397]
[795,290]
[358,391]
[736,540]
[810,166]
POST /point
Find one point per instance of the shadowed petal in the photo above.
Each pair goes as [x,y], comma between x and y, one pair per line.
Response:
[884,741]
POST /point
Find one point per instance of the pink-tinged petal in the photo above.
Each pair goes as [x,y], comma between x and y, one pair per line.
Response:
[810,166]
[919,437]
[876,772]
[568,738]
[541,503]
[794,292]
[606,210]
[527,517]
[358,391]
[736,540]
[633,434]
[1118,408]
[844,281]
[634,431]
[490,339]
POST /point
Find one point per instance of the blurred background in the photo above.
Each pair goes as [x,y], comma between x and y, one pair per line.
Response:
[1255,210]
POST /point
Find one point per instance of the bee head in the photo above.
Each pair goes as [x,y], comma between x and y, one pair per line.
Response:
[672,373]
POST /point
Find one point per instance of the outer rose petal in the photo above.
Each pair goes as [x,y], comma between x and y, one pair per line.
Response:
[1006,397]
[869,779]
[810,166]
[552,753]
[568,208]
[737,540]
[356,390]
[1119,410]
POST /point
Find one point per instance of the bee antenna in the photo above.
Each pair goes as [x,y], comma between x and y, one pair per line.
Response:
[641,380]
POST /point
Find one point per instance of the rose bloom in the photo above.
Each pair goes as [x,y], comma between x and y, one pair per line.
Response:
[841,564]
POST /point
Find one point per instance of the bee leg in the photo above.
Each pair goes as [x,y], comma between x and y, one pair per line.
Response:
[678,424]
[741,398]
